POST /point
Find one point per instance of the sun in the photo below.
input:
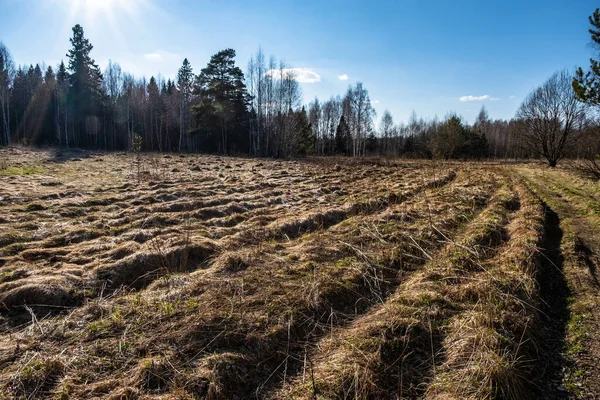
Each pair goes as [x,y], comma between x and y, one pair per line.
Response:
[101,11]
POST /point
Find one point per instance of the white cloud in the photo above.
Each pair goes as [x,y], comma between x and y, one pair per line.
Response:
[479,98]
[475,98]
[163,56]
[343,77]
[153,56]
[302,75]
[374,101]
[512,97]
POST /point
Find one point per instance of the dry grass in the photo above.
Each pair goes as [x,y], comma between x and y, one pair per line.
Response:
[394,348]
[219,278]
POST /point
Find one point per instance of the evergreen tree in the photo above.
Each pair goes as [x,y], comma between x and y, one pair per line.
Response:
[342,137]
[85,87]
[306,137]
[46,101]
[371,145]
[587,84]
[223,100]
[155,110]
[19,101]
[185,81]
[61,90]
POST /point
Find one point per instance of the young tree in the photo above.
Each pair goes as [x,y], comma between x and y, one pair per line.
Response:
[550,115]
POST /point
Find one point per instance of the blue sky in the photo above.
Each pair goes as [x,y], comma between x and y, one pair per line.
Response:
[411,55]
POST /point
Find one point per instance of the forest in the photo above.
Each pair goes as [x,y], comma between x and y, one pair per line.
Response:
[221,109]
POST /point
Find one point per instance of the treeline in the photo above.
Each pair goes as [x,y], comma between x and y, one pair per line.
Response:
[221,110]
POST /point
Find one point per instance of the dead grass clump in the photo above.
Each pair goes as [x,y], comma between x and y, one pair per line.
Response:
[36,377]
[127,393]
[227,375]
[230,262]
[41,296]
[123,250]
[310,223]
[13,274]
[154,374]
[41,254]
[140,269]
[486,367]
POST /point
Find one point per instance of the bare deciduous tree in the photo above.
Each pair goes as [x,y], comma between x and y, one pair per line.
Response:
[386,127]
[6,75]
[359,115]
[550,114]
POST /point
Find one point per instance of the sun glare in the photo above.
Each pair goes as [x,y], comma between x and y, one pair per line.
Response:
[94,7]
[93,11]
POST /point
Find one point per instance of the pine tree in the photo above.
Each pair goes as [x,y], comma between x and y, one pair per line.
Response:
[587,84]
[222,100]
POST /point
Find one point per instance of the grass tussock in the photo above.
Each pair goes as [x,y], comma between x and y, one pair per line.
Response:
[41,295]
[141,268]
[392,351]
[490,349]
[36,376]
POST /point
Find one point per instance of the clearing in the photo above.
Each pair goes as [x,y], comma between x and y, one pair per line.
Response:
[213,277]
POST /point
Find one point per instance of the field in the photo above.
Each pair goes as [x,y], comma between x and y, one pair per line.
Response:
[184,276]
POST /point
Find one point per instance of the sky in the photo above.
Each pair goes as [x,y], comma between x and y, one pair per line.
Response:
[433,57]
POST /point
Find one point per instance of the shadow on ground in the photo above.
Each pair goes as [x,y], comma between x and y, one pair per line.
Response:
[549,371]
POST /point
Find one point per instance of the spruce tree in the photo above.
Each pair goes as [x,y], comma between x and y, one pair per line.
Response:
[342,136]
[85,85]
[306,142]
[185,81]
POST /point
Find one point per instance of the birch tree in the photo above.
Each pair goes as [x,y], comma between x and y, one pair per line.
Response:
[6,75]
